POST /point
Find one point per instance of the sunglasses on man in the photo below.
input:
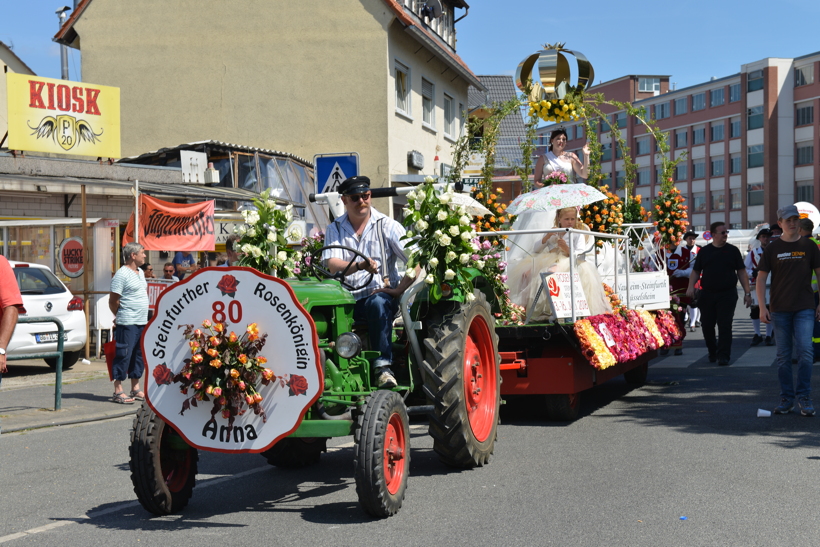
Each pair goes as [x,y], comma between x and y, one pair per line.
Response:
[356,197]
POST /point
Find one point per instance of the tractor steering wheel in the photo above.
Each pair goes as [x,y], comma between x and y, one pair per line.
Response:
[316,260]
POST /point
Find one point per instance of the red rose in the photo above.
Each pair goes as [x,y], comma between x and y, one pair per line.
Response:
[298,385]
[162,375]
[553,286]
[228,285]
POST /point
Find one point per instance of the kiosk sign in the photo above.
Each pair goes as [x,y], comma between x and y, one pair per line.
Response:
[240,300]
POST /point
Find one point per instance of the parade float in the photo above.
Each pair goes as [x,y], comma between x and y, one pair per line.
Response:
[265,357]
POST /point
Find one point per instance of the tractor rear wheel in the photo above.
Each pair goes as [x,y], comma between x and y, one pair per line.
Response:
[296,452]
[382,462]
[462,379]
[163,466]
[637,376]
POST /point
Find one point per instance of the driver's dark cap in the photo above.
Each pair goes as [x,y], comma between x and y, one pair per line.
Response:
[354,185]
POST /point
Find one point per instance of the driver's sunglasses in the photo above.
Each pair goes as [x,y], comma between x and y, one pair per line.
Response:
[356,197]
[725,232]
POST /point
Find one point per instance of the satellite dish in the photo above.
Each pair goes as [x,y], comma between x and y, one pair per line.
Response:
[431,9]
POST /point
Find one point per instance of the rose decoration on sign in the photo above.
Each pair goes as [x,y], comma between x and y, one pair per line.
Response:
[228,285]
[298,385]
[162,375]
[553,286]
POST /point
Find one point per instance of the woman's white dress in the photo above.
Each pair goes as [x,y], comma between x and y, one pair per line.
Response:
[528,258]
[554,163]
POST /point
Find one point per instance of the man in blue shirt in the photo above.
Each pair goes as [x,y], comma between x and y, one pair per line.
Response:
[185,263]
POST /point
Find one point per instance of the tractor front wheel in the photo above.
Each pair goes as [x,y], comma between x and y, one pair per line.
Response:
[163,466]
[462,379]
[382,462]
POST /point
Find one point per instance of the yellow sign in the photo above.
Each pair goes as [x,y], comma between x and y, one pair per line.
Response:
[63,117]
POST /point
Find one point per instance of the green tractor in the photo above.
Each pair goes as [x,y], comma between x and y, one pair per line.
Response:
[447,368]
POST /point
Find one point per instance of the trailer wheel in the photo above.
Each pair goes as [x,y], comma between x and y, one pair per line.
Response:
[163,466]
[563,407]
[382,462]
[637,376]
[296,452]
[462,379]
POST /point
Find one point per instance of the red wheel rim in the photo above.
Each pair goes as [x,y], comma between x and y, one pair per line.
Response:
[394,446]
[176,465]
[480,383]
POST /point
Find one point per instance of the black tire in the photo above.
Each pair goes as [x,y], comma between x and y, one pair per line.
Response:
[637,376]
[163,466]
[464,423]
[70,359]
[382,462]
[296,452]
[563,408]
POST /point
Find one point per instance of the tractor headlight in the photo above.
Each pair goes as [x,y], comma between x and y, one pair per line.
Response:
[348,345]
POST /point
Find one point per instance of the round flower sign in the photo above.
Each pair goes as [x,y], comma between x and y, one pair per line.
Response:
[232,360]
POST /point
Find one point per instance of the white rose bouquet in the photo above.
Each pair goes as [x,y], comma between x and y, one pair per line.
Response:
[262,243]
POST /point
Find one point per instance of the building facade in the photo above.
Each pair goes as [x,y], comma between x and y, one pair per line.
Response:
[369,76]
[748,139]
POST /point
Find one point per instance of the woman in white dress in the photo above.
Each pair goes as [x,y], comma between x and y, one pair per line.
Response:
[556,159]
[550,253]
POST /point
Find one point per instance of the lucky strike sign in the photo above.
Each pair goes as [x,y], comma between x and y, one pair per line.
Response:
[63,117]
[234,297]
[71,257]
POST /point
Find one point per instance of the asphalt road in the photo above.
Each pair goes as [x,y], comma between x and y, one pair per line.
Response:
[681,461]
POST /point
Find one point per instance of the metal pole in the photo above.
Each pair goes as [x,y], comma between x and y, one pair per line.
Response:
[61,14]
[86,247]
[136,211]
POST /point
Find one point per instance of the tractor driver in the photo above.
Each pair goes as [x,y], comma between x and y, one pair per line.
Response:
[376,236]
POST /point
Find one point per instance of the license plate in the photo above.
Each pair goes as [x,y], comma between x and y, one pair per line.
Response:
[46,337]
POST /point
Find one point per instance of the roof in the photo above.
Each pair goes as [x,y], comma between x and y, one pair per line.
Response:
[214,145]
[500,89]
[413,25]
[11,51]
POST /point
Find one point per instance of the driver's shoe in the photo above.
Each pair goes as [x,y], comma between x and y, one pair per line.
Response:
[385,378]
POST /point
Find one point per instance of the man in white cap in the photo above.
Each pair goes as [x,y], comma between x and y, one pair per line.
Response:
[791,261]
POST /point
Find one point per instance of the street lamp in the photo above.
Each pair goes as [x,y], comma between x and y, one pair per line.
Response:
[61,13]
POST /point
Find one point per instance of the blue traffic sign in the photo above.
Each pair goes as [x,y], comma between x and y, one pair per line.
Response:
[332,169]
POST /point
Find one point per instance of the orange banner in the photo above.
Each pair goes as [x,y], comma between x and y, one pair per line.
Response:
[165,226]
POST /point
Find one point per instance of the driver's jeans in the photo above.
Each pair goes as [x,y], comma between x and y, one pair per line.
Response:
[378,311]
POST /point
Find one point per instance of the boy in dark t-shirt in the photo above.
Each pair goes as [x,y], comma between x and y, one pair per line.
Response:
[790,260]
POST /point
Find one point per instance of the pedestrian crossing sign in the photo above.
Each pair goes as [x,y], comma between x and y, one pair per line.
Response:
[332,169]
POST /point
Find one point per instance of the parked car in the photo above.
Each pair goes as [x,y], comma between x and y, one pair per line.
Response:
[44,294]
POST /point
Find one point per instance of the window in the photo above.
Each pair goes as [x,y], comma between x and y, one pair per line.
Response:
[698,169]
[718,200]
[754,156]
[699,202]
[804,154]
[805,191]
[449,116]
[754,118]
[402,89]
[569,132]
[803,75]
[680,138]
[804,114]
[698,101]
[619,153]
[734,128]
[606,179]
[735,198]
[579,131]
[658,174]
[604,126]
[734,93]
[716,97]
[461,119]
[754,195]
[606,151]
[428,103]
[681,171]
[716,167]
[642,177]
[642,146]
[649,85]
[680,106]
[734,164]
[620,120]
[661,111]
[698,135]
[620,179]
[754,80]
[716,131]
